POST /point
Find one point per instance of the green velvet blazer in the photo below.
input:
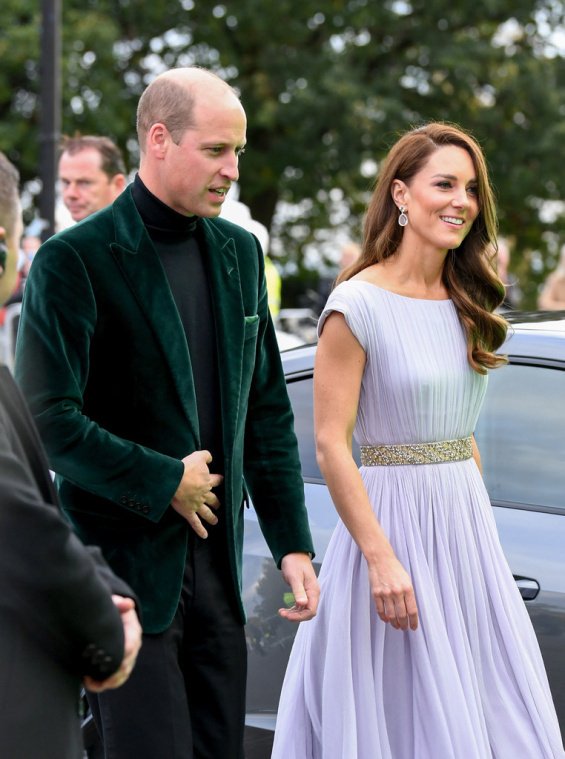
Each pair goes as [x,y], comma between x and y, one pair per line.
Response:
[103,361]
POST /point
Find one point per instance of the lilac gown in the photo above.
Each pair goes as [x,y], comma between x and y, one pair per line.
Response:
[470,682]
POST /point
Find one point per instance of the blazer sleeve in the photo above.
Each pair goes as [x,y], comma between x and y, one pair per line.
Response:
[59,593]
[56,328]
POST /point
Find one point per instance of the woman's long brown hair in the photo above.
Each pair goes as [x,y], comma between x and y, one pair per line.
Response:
[469,274]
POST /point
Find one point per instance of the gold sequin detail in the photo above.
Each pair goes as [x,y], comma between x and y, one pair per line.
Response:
[417,453]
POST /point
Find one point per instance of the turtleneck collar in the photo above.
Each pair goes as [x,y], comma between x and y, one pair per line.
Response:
[160,219]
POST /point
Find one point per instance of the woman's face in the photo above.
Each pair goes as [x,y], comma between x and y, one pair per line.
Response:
[441,200]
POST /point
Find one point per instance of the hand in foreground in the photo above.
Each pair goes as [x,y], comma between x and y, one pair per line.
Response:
[393,593]
[298,572]
[194,499]
[132,644]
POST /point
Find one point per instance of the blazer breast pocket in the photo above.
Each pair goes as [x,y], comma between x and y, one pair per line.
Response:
[251,326]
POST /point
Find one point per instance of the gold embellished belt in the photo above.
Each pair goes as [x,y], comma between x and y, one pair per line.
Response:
[417,453]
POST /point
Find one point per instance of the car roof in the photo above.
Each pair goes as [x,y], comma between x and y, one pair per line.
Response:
[298,360]
[537,335]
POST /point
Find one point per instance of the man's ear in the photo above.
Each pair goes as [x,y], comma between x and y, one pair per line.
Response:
[119,181]
[158,140]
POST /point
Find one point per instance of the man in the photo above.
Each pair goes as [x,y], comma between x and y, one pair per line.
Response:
[91,173]
[58,622]
[150,360]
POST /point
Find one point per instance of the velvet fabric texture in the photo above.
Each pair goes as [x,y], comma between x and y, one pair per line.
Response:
[103,361]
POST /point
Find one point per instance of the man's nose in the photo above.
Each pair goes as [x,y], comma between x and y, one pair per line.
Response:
[70,189]
[230,168]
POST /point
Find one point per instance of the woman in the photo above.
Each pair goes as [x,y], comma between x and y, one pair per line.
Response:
[422,647]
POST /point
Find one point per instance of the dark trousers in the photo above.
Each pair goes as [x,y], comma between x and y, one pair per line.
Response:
[186,696]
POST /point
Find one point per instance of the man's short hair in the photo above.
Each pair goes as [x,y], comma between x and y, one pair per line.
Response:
[112,162]
[9,196]
[168,102]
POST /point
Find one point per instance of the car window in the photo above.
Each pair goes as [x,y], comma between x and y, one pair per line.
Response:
[301,396]
[521,435]
[300,393]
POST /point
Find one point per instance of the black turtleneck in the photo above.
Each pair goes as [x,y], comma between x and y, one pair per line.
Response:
[181,248]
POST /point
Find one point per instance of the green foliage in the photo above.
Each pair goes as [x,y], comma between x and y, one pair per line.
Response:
[327,86]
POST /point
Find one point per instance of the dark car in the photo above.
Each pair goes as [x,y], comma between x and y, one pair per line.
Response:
[521,437]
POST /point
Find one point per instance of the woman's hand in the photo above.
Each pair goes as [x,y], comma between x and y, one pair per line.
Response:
[393,593]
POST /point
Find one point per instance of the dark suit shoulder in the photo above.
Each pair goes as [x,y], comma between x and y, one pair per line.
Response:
[76,234]
[118,223]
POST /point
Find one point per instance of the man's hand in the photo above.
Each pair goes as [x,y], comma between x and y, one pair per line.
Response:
[194,499]
[299,573]
[132,644]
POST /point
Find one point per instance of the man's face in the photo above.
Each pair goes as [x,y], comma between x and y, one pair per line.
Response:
[85,187]
[197,172]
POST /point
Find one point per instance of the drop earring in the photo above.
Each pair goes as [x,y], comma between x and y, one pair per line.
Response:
[403,218]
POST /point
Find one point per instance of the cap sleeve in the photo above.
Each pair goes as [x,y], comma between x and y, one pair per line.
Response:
[345,300]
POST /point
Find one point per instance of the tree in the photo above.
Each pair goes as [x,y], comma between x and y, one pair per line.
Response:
[327,86]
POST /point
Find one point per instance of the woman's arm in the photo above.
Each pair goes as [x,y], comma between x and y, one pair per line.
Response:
[476,454]
[340,363]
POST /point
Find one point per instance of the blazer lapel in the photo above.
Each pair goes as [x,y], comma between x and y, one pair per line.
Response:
[227,303]
[141,267]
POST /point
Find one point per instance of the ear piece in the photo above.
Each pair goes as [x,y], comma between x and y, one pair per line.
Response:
[403,218]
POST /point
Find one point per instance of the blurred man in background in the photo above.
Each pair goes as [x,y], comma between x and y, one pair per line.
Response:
[92,174]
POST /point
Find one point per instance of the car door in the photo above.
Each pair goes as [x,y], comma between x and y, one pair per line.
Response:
[521,437]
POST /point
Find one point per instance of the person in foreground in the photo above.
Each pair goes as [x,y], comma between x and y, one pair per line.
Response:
[150,361]
[422,647]
[59,623]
